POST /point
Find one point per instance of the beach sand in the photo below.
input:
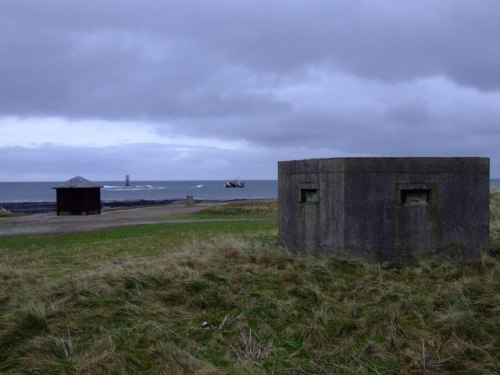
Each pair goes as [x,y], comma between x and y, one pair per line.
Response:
[51,223]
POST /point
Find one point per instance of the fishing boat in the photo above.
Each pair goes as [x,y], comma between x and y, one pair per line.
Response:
[235,183]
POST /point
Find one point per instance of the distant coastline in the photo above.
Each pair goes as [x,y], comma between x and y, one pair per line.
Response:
[48,207]
[45,207]
[20,192]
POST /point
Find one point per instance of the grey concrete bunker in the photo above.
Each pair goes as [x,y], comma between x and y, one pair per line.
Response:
[385,209]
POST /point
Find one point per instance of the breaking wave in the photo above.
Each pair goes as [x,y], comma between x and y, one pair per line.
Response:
[133,188]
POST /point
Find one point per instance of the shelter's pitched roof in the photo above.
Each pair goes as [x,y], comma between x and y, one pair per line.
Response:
[78,182]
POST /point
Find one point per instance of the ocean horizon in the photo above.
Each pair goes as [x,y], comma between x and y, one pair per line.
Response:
[20,192]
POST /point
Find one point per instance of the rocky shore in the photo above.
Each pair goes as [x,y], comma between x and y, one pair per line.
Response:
[45,207]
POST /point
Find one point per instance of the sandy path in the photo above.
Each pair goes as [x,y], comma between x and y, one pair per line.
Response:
[51,223]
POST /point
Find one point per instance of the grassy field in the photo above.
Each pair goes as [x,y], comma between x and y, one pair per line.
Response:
[221,297]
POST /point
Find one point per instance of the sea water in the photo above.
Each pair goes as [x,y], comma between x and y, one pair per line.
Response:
[150,190]
[144,190]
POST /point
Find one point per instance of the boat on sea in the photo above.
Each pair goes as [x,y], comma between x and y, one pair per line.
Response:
[235,183]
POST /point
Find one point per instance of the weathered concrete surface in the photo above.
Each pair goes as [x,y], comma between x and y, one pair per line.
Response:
[383,209]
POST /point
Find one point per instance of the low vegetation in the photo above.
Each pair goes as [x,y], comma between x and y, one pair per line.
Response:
[242,208]
[5,213]
[495,220]
[221,297]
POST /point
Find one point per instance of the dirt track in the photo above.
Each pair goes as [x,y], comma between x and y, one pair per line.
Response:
[51,223]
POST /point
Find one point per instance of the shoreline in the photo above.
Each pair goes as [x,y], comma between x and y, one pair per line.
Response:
[47,207]
[28,208]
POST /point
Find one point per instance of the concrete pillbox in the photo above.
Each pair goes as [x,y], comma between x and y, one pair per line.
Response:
[385,209]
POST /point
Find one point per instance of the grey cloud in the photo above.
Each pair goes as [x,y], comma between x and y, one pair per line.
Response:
[152,162]
[143,161]
[315,77]
[415,113]
[370,118]
[126,59]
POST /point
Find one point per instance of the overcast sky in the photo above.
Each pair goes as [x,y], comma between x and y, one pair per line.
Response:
[217,89]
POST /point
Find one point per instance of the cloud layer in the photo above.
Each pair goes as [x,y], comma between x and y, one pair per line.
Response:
[211,89]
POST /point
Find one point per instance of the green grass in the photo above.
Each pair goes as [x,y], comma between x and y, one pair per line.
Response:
[67,308]
[495,220]
[242,208]
[5,213]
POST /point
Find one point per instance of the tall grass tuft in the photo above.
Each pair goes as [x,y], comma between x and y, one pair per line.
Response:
[30,322]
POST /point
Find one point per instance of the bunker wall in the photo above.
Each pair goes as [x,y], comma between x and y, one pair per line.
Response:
[385,208]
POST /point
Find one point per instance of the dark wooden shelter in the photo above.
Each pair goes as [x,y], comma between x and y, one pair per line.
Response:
[78,196]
